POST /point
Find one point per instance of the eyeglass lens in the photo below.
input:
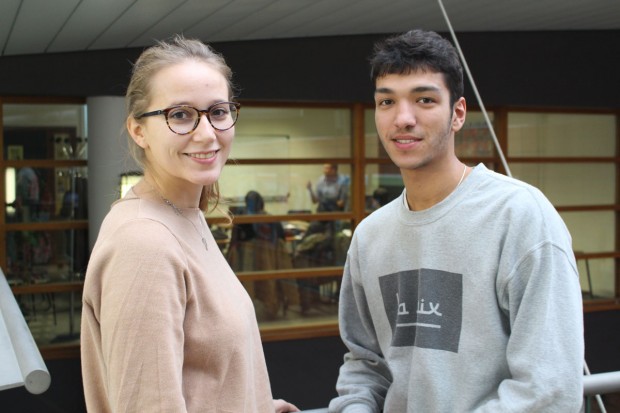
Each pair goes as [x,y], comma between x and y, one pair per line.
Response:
[185,119]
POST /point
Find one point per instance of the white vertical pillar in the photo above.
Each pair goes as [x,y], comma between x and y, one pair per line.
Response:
[108,157]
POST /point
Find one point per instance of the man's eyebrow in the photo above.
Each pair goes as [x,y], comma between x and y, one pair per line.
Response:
[384,90]
[418,89]
[425,89]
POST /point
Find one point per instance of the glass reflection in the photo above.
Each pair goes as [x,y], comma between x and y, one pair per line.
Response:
[561,134]
[45,194]
[52,318]
[474,138]
[45,131]
[284,188]
[41,257]
[286,245]
[285,133]
[383,184]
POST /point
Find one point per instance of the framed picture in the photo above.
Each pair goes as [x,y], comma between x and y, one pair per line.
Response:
[15,153]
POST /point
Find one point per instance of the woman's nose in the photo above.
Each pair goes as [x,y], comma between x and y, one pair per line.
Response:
[204,127]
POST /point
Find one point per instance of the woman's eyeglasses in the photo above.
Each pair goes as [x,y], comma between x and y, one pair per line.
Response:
[184,119]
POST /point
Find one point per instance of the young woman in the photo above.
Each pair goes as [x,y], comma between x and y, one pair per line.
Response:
[166,325]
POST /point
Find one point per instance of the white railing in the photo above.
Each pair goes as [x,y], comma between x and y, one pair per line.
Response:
[21,363]
[593,385]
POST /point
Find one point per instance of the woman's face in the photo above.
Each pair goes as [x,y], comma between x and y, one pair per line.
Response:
[195,159]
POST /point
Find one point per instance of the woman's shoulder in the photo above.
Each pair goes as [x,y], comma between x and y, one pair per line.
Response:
[134,223]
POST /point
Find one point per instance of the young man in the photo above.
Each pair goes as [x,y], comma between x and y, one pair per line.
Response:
[462,294]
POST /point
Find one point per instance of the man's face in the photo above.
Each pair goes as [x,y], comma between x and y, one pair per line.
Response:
[329,170]
[414,119]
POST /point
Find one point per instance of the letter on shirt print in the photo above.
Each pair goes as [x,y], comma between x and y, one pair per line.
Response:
[437,299]
[402,309]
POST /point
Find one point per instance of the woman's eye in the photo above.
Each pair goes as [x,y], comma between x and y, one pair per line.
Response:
[180,114]
[218,112]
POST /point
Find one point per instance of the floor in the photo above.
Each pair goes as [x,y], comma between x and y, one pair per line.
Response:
[611,403]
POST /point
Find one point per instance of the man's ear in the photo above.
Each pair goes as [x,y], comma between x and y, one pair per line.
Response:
[458,114]
[136,131]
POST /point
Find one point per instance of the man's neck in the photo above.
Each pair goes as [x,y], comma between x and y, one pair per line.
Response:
[426,188]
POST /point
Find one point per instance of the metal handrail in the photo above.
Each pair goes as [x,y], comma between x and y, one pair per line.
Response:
[593,384]
[601,383]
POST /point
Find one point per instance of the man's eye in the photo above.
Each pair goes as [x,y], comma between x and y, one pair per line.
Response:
[425,100]
[385,102]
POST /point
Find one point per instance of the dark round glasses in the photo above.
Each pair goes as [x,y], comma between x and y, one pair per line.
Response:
[184,119]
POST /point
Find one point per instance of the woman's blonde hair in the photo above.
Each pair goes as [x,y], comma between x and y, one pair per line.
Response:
[137,99]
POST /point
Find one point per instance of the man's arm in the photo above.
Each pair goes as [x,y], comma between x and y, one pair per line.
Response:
[364,377]
[545,350]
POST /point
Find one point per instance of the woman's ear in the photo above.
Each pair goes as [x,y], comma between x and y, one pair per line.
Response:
[458,114]
[136,131]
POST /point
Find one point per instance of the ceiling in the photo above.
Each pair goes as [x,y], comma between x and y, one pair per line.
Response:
[51,26]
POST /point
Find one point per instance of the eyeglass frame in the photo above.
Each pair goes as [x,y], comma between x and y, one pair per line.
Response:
[200,113]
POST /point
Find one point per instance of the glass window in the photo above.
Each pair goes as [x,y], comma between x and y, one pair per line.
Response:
[253,244]
[294,301]
[373,146]
[41,257]
[561,134]
[52,131]
[289,133]
[284,188]
[46,194]
[596,277]
[383,184]
[593,231]
[474,138]
[570,184]
[52,317]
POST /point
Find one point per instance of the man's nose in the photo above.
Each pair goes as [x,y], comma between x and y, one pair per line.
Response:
[405,116]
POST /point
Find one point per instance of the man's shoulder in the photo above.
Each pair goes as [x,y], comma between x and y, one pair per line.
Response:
[381,217]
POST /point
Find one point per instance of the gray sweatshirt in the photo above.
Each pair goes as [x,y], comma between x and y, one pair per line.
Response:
[473,305]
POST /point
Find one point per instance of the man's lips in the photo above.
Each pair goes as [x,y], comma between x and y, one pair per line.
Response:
[403,140]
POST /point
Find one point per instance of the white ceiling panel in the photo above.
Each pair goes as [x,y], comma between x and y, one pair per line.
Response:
[265,17]
[140,17]
[46,26]
[190,14]
[8,11]
[211,28]
[36,25]
[302,20]
[82,28]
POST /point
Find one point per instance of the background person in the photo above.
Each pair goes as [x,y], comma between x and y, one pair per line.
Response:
[332,190]
[461,295]
[166,325]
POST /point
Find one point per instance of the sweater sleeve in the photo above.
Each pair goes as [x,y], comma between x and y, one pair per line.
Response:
[545,350]
[142,312]
[364,377]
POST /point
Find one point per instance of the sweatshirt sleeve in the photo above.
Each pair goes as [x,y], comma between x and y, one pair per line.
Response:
[142,312]
[545,351]
[364,377]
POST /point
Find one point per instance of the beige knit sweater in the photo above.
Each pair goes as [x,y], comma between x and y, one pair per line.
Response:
[166,325]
